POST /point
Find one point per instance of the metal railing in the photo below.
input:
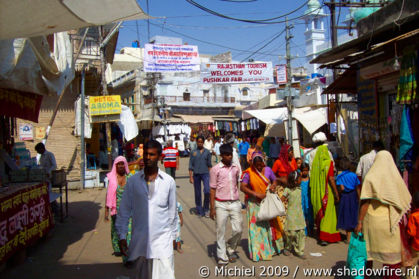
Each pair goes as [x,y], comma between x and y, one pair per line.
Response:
[199,99]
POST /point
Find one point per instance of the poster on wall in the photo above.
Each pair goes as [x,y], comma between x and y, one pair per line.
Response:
[171,58]
[281,73]
[227,73]
[39,133]
[25,131]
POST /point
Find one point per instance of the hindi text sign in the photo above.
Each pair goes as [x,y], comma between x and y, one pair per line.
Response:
[171,58]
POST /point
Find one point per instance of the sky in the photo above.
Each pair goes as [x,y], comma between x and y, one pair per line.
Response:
[214,35]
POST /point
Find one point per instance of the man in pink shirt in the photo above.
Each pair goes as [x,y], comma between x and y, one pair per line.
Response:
[225,203]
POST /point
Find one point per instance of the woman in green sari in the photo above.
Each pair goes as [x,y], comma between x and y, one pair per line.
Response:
[117,180]
[324,194]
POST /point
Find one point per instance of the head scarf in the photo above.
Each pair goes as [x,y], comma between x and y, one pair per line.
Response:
[113,183]
[257,154]
[283,157]
[384,183]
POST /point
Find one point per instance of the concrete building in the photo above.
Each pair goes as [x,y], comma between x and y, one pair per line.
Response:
[181,93]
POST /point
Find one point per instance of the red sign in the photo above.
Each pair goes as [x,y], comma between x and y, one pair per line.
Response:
[25,216]
[20,104]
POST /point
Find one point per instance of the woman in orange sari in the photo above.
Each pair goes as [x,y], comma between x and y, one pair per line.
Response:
[264,237]
[285,164]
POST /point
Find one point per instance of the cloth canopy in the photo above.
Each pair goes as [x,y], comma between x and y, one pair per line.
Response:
[24,19]
[311,119]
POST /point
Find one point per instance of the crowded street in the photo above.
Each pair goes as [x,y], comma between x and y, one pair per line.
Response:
[180,139]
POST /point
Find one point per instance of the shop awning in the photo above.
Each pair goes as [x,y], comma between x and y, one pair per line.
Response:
[311,119]
[193,119]
[345,83]
[225,118]
[24,19]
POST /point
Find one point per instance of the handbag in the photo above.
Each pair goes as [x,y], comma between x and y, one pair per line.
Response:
[357,254]
[270,207]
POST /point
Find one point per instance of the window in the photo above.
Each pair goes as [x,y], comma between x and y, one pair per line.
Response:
[206,95]
[245,91]
[186,96]
[225,94]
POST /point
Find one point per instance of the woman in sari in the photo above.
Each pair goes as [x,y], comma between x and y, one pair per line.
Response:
[385,199]
[264,237]
[324,194]
[285,164]
[117,178]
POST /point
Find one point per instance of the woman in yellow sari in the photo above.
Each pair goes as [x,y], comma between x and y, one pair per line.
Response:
[264,237]
[385,199]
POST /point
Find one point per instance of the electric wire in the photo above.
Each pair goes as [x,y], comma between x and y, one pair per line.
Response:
[270,41]
[257,21]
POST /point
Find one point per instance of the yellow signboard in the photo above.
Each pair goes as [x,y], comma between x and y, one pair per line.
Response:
[39,133]
[104,105]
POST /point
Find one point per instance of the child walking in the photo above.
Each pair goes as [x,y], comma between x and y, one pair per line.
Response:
[413,231]
[225,203]
[306,198]
[178,244]
[295,224]
[348,183]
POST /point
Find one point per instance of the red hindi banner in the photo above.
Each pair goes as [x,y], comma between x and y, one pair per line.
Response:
[20,104]
[25,216]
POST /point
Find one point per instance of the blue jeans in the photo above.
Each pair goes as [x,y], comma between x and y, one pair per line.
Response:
[197,178]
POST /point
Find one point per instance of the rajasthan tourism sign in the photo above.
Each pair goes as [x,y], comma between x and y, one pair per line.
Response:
[104,105]
[224,73]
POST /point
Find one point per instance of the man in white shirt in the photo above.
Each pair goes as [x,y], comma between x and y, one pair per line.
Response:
[47,160]
[150,199]
[366,161]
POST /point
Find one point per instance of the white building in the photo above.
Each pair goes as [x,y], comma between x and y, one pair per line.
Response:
[182,92]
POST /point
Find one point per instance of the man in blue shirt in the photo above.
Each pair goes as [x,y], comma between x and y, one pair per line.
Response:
[243,148]
[199,167]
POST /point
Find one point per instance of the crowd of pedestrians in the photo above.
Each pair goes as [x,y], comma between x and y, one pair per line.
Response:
[321,199]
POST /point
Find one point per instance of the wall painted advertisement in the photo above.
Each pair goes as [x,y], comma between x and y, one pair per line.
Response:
[223,73]
[171,58]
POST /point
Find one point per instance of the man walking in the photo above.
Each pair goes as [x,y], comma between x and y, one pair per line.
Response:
[199,168]
[225,203]
[170,159]
[274,149]
[150,200]
[243,148]
[366,161]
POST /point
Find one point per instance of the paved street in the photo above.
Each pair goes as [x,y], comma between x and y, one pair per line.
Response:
[81,247]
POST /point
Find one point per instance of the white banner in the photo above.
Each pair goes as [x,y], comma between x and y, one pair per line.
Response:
[171,58]
[281,74]
[237,73]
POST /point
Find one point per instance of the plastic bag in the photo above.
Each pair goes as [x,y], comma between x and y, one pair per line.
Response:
[357,254]
[270,207]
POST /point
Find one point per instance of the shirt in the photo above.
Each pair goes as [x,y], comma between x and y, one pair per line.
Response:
[217,148]
[365,163]
[413,230]
[47,162]
[274,149]
[169,157]
[243,148]
[236,161]
[154,216]
[199,162]
[349,180]
[225,180]
[208,145]
[295,217]
[269,174]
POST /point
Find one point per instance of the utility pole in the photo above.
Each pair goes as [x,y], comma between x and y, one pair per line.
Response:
[288,38]
[82,112]
[105,92]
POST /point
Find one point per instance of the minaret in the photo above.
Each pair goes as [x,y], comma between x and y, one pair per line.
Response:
[315,34]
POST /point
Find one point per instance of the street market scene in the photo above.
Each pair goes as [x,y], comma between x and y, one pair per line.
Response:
[209,139]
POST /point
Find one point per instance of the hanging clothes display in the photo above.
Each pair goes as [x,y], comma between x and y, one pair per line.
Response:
[407,87]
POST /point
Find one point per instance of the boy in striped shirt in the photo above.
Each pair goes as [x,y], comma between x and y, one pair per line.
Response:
[170,159]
